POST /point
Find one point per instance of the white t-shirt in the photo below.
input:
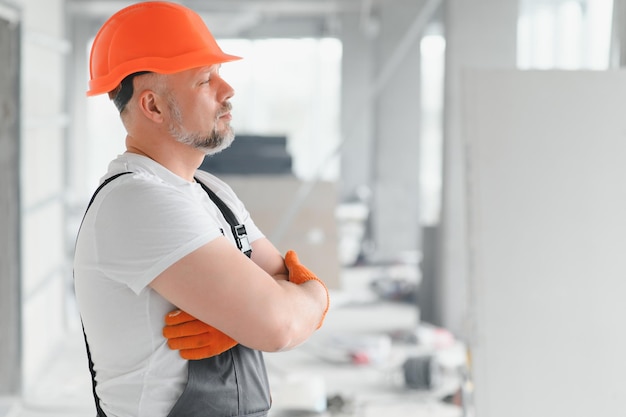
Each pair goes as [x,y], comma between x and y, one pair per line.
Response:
[139,225]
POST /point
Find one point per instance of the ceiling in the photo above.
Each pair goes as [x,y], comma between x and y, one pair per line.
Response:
[252,18]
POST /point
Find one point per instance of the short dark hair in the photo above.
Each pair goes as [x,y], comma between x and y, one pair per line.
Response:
[124,91]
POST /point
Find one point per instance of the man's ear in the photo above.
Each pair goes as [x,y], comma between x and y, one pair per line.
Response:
[151,105]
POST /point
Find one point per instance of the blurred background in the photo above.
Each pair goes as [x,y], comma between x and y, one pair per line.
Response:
[453,169]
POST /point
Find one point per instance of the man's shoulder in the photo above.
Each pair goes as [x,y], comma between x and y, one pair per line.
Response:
[213,182]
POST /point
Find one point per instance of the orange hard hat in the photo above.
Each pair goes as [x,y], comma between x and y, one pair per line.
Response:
[152,36]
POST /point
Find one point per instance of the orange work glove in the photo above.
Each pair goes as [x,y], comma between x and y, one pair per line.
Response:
[194,338]
[299,274]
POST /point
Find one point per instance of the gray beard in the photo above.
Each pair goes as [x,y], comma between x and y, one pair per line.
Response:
[210,144]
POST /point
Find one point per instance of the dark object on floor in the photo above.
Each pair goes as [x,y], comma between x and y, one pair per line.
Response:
[420,372]
[395,289]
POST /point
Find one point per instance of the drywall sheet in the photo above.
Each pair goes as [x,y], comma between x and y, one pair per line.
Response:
[311,231]
[546,171]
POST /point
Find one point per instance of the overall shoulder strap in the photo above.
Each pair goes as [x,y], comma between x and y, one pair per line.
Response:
[238,230]
[100,412]
[101,186]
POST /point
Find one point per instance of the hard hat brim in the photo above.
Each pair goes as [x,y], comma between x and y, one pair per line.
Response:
[158,65]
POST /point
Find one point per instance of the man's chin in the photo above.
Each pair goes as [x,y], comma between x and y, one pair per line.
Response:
[212,151]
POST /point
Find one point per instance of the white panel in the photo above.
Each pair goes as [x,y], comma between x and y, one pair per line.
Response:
[313,230]
[547,240]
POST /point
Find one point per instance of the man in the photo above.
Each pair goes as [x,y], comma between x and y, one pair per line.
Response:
[154,244]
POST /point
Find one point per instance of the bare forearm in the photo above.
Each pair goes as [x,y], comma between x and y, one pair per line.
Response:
[241,299]
[266,256]
[284,319]
[315,299]
[281,277]
[309,305]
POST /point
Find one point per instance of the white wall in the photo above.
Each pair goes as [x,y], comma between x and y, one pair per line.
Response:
[479,34]
[547,230]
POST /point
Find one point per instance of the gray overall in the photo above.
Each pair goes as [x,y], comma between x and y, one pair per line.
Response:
[231,384]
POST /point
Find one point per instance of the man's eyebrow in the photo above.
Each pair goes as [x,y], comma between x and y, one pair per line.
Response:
[206,71]
[211,68]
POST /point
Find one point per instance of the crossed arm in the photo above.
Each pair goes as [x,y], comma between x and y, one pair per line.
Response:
[249,300]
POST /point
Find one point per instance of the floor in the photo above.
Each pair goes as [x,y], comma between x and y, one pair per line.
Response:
[352,367]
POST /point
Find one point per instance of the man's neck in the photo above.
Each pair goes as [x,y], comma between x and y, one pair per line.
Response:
[180,159]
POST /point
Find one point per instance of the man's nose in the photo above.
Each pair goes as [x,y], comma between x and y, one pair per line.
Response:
[226,91]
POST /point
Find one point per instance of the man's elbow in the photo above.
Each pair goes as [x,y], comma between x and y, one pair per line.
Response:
[282,333]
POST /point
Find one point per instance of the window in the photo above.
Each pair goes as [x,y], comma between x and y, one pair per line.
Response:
[564,34]
[290,87]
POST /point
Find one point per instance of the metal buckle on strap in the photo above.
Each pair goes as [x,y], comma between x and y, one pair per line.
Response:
[241,236]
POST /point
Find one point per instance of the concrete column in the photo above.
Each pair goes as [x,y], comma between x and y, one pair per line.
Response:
[10,294]
[479,34]
[45,276]
[357,114]
[381,109]
[618,41]
[395,208]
